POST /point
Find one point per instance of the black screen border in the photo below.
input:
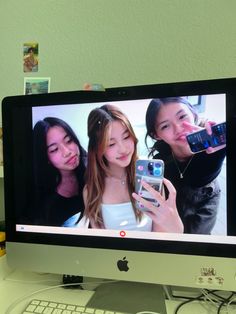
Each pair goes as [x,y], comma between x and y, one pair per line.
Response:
[12,180]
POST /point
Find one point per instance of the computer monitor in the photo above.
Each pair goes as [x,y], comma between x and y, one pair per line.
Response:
[171,258]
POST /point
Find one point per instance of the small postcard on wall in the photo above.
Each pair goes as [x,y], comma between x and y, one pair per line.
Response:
[36,85]
[30,57]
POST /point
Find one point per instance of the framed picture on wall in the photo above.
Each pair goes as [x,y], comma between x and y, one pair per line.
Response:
[36,85]
[30,57]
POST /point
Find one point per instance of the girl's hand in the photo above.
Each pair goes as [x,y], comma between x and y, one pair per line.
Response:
[208,124]
[191,128]
[165,216]
[211,150]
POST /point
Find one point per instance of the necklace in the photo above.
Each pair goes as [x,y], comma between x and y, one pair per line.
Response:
[181,173]
[122,179]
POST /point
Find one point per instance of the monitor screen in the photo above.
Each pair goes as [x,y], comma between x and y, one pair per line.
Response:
[71,171]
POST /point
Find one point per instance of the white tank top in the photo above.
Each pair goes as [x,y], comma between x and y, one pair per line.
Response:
[122,217]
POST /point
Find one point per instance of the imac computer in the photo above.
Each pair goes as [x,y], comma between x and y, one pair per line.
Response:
[205,258]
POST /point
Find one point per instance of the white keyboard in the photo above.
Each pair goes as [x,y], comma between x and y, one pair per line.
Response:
[51,307]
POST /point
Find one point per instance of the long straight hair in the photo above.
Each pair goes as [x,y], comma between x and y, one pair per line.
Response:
[99,124]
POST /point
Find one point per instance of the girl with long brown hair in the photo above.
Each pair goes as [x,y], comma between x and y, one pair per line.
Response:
[110,176]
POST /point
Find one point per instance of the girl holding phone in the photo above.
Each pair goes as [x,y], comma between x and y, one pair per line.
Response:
[110,178]
[194,176]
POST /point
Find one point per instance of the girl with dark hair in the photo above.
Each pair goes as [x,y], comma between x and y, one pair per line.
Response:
[194,176]
[59,167]
[110,176]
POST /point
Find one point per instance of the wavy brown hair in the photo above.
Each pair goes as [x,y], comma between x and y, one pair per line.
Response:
[99,124]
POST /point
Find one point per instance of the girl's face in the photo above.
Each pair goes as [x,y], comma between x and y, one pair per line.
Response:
[172,123]
[120,146]
[63,153]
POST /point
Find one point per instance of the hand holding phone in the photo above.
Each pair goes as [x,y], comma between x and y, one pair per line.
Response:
[152,172]
[201,140]
[164,213]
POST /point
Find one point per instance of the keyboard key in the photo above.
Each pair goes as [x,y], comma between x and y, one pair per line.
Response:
[48,310]
[39,309]
[31,308]
[89,310]
[62,306]
[57,311]
[36,302]
[80,309]
[53,304]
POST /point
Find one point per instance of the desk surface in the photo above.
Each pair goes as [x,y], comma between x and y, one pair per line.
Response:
[17,285]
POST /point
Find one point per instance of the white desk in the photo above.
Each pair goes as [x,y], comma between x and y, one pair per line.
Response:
[19,284]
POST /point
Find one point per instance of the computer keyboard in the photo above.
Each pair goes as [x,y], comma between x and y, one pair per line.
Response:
[51,307]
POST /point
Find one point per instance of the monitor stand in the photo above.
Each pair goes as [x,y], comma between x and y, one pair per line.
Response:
[129,297]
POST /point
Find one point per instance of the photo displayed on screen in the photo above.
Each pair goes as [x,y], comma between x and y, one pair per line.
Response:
[85,163]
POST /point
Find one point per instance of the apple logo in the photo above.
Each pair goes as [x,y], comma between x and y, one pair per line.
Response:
[122,264]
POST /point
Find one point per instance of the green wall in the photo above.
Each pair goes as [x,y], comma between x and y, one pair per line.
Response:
[117,42]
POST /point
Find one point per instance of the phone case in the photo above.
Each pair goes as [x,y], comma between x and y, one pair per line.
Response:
[201,140]
[151,171]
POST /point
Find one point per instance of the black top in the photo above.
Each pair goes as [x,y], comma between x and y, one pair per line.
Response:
[202,169]
[198,213]
[55,210]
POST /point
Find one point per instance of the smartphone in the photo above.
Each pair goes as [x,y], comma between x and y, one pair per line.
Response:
[201,140]
[152,172]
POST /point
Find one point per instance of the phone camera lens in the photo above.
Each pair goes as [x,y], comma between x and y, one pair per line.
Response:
[150,168]
[157,169]
[157,172]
